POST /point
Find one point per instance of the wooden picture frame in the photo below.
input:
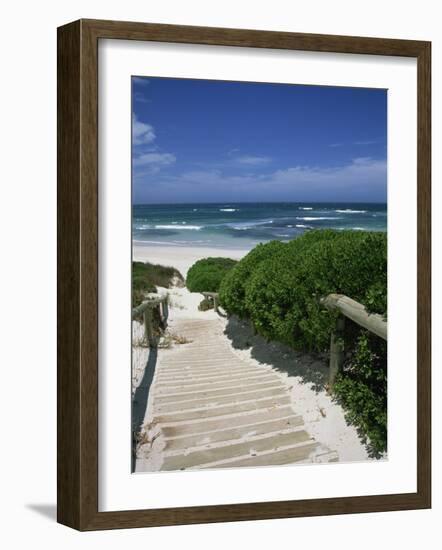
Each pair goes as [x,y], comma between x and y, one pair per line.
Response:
[78,274]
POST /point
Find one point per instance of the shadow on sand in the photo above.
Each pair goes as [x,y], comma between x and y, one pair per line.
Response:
[140,398]
[309,367]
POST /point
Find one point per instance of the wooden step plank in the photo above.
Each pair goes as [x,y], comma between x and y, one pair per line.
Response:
[225,452]
[187,442]
[195,380]
[220,400]
[168,398]
[187,358]
[275,458]
[223,410]
[210,425]
[165,374]
[244,381]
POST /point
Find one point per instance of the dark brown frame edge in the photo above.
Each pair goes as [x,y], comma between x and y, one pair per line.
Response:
[77,224]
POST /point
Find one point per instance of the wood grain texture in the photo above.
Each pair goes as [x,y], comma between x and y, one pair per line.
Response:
[68,276]
[424,274]
[77,224]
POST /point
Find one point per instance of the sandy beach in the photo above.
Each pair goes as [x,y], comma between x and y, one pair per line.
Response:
[302,375]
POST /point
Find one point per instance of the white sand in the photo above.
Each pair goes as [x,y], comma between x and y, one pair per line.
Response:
[305,374]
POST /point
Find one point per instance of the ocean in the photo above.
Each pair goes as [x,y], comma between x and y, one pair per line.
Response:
[244,225]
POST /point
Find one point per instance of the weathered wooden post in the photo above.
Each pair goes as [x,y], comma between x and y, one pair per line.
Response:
[336,350]
[165,306]
[148,327]
[215,302]
[357,313]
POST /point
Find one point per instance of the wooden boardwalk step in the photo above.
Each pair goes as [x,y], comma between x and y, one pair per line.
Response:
[291,455]
[193,380]
[208,371]
[244,380]
[223,410]
[220,400]
[244,449]
[167,398]
[209,425]
[187,442]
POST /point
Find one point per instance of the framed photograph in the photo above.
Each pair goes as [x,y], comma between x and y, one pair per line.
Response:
[243,274]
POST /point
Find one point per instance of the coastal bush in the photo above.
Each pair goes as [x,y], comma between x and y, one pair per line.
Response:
[283,292]
[206,275]
[232,288]
[362,390]
[146,277]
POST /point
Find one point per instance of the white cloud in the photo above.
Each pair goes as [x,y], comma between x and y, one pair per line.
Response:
[363,179]
[141,132]
[141,98]
[154,160]
[366,142]
[361,173]
[141,80]
[253,161]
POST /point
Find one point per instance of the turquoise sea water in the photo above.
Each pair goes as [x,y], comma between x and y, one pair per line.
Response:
[243,225]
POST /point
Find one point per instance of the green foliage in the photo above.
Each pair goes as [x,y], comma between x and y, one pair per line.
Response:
[376,297]
[146,277]
[283,291]
[233,287]
[362,391]
[279,286]
[205,305]
[138,296]
[206,275]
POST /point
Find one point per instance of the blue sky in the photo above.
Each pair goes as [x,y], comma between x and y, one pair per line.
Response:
[215,141]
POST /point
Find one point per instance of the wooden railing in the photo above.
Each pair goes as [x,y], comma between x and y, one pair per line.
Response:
[358,314]
[154,311]
[212,297]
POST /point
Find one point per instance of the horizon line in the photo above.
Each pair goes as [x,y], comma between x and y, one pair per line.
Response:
[255,202]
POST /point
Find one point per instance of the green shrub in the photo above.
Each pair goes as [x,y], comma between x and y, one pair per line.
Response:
[152,275]
[138,296]
[206,275]
[205,305]
[282,294]
[232,288]
[146,277]
[362,391]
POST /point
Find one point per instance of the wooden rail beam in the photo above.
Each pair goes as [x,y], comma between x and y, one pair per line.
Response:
[214,296]
[146,311]
[356,312]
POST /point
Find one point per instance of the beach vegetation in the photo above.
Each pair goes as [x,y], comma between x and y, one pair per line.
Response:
[206,274]
[233,286]
[205,304]
[146,277]
[362,391]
